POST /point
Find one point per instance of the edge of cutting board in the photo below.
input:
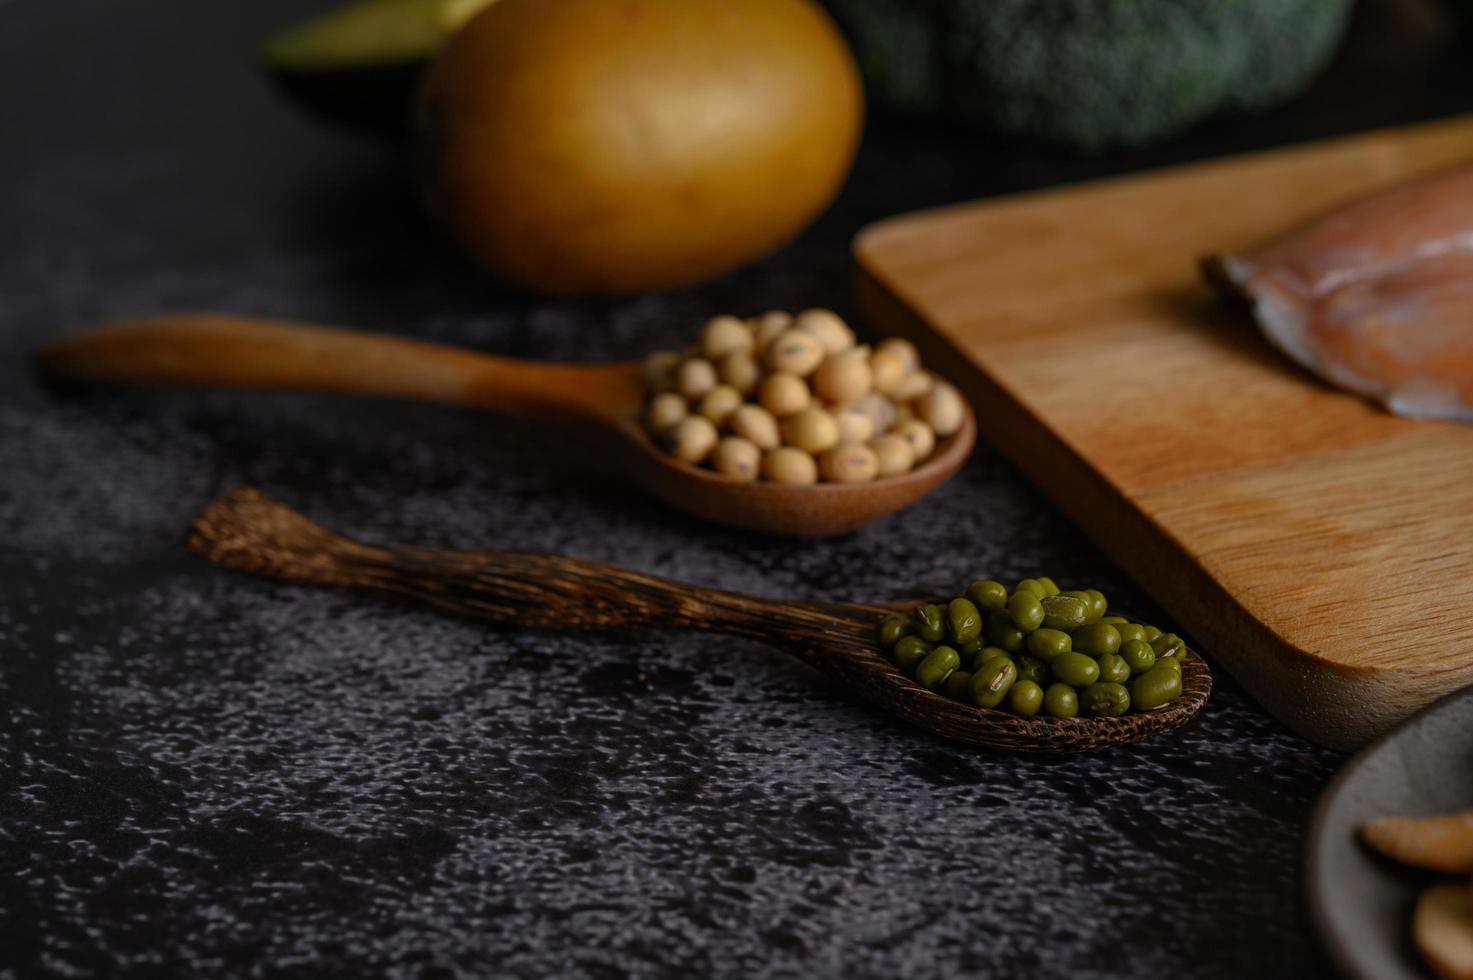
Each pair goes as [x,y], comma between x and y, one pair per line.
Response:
[1338,704]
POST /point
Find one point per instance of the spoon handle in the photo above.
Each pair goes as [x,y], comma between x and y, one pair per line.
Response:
[247,352]
[248,531]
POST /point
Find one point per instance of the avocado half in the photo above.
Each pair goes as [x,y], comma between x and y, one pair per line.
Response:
[360,64]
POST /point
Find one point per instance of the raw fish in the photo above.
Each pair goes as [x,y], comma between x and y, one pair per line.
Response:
[1376,296]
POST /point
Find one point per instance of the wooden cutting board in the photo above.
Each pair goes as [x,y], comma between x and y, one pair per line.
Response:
[1318,548]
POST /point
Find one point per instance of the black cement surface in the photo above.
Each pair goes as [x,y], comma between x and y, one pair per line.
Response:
[203,774]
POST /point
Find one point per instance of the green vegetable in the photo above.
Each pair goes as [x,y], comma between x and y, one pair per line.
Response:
[987,653]
[1075,669]
[964,619]
[1155,687]
[1138,655]
[1083,597]
[1129,631]
[1104,699]
[991,682]
[1061,701]
[938,665]
[1030,585]
[1032,669]
[930,623]
[1167,642]
[1025,698]
[1046,644]
[1089,74]
[988,595]
[1114,668]
[1011,659]
[892,628]
[910,650]
[1003,632]
[1064,612]
[1097,639]
[1026,610]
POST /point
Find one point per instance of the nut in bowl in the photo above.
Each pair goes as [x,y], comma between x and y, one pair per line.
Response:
[797,401]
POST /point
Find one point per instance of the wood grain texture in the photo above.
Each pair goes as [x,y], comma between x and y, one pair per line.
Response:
[229,350]
[603,402]
[1322,548]
[247,531]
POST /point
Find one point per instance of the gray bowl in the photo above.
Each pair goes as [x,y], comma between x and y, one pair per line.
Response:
[1361,903]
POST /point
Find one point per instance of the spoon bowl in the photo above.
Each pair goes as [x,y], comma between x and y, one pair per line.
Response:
[605,399]
[248,531]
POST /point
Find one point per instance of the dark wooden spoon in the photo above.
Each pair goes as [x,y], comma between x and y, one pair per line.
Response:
[603,400]
[248,531]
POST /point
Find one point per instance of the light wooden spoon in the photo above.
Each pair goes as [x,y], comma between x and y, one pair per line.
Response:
[249,531]
[212,349]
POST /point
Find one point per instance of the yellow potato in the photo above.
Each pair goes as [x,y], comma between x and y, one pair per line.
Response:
[585,146]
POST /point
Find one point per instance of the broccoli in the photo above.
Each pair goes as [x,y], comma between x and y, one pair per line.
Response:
[1089,74]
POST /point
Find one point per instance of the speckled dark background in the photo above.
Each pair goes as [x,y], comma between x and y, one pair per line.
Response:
[203,774]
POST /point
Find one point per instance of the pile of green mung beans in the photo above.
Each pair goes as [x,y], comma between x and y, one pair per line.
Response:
[1037,649]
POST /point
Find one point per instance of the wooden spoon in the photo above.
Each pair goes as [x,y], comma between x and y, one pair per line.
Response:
[211,349]
[248,531]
